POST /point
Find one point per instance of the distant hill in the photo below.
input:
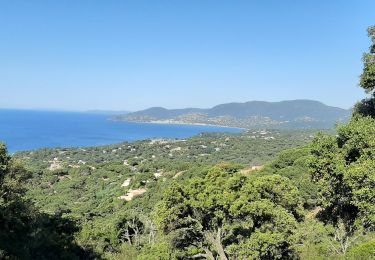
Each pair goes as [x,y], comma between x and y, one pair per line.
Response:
[254,114]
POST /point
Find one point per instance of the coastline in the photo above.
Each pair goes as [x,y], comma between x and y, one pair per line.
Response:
[168,122]
[84,130]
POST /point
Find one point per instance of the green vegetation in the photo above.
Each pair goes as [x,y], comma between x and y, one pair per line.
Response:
[254,195]
[85,183]
[293,114]
[367,106]
[227,215]
[25,232]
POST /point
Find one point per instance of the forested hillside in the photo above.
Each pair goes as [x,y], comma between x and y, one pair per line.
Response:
[255,195]
[294,114]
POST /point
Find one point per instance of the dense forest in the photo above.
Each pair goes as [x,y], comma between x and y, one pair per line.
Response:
[256,195]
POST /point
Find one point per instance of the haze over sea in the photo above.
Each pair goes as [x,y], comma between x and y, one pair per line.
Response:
[29,130]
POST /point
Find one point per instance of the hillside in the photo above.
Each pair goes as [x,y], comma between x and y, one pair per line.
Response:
[254,114]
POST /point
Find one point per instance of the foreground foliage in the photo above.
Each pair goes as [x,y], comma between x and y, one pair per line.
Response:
[226,215]
[314,201]
[26,233]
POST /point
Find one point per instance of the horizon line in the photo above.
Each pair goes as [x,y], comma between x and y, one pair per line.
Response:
[96,110]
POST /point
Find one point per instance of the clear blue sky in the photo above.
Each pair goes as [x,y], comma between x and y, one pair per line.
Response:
[129,55]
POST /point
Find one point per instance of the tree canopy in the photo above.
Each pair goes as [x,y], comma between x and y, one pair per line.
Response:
[367,80]
[228,215]
[26,233]
[343,166]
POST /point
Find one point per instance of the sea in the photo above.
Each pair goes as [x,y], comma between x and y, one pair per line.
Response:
[24,130]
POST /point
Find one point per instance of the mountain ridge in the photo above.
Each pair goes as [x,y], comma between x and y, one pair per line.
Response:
[300,113]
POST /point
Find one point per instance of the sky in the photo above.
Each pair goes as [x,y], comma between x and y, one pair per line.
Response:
[131,55]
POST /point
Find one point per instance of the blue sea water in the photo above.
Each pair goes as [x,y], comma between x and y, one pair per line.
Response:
[29,130]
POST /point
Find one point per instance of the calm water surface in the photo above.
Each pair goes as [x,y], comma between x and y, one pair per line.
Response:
[28,130]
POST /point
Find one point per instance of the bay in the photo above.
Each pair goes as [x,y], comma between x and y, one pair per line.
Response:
[29,130]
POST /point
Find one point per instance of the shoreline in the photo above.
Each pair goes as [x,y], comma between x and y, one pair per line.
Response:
[182,123]
[112,137]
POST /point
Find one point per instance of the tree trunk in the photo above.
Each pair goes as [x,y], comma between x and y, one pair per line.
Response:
[216,242]
[219,246]
[209,254]
[127,236]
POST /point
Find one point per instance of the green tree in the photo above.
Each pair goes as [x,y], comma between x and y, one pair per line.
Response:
[367,81]
[293,164]
[227,215]
[343,166]
[26,233]
[4,160]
